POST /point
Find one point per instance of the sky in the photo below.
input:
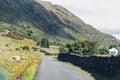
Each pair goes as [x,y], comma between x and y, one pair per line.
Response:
[104,15]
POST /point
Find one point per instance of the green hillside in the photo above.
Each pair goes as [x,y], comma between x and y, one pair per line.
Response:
[36,19]
[24,23]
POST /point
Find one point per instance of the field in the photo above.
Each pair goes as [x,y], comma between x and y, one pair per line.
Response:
[52,50]
[18,69]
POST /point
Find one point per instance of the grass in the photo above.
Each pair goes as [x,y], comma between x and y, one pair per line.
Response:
[52,49]
[78,68]
[27,30]
[12,67]
[30,72]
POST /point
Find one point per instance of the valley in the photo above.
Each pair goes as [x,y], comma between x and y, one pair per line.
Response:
[34,33]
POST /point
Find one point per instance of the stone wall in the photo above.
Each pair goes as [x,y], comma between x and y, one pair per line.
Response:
[106,66]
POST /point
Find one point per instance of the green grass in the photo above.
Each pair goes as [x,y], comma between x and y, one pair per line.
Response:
[21,30]
[29,74]
[8,50]
[27,30]
[31,70]
[14,68]
[52,49]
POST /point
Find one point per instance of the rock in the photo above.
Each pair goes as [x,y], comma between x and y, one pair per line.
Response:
[17,58]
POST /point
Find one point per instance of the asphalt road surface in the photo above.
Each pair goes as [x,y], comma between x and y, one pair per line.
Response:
[52,69]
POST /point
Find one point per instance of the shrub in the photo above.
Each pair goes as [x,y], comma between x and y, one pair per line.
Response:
[82,47]
[14,35]
[45,43]
[63,49]
[26,48]
[103,51]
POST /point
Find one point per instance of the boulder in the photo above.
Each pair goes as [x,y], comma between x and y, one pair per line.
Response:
[17,58]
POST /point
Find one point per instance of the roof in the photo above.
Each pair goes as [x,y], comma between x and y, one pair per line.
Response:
[113,49]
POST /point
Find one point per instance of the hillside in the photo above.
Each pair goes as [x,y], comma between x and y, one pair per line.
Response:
[36,19]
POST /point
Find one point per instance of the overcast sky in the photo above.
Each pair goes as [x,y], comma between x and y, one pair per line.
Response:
[102,14]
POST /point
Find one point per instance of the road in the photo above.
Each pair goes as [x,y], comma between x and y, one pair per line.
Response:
[52,69]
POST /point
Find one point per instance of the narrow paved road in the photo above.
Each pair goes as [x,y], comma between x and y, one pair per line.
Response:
[52,69]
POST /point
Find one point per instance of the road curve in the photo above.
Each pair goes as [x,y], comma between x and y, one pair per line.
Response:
[52,69]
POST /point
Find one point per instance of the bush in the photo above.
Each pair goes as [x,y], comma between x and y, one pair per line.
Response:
[103,51]
[14,35]
[82,47]
[63,49]
[26,48]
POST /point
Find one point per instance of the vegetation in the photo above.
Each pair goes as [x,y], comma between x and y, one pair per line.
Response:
[52,21]
[13,67]
[63,49]
[103,51]
[23,26]
[113,46]
[45,43]
[81,47]
[31,70]
[52,50]
[26,48]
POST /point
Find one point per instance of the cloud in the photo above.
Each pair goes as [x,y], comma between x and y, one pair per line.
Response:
[102,14]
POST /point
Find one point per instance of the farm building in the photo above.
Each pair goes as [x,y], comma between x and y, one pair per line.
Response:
[113,52]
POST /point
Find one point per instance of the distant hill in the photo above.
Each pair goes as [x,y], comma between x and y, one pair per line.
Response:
[36,19]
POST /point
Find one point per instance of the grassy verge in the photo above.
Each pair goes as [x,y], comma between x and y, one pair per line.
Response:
[79,69]
[30,72]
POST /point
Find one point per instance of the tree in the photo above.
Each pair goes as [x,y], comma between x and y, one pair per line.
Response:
[82,47]
[92,47]
[69,46]
[103,50]
[63,49]
[77,48]
[45,43]
[112,46]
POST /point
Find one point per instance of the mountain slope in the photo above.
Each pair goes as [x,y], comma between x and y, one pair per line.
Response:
[78,26]
[36,19]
